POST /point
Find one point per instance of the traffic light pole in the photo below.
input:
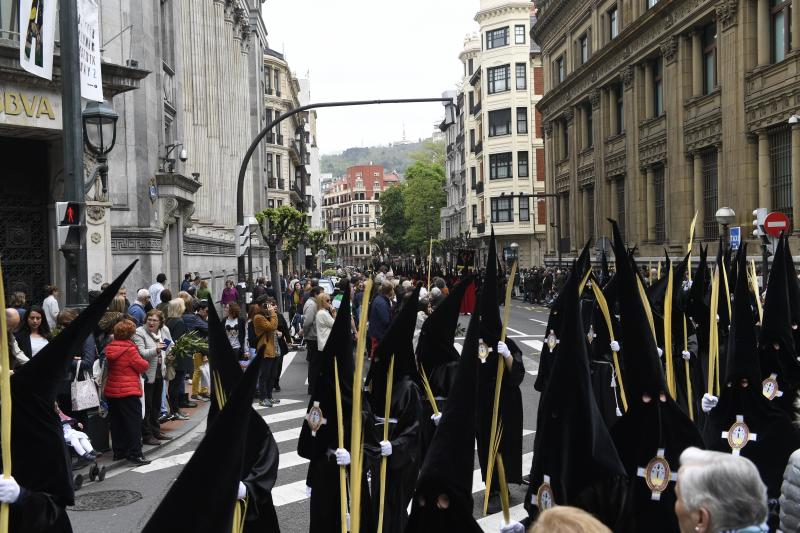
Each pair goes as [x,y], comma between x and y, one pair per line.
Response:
[76,263]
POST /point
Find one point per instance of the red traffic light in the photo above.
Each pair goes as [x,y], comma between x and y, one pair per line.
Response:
[69,213]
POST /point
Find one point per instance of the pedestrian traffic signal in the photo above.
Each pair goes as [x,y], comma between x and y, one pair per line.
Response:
[69,213]
[759,215]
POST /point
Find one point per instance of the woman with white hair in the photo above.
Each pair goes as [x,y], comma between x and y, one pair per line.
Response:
[719,492]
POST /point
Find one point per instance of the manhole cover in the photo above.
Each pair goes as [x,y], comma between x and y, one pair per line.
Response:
[105,499]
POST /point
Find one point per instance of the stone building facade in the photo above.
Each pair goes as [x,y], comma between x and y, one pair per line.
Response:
[655,110]
[454,215]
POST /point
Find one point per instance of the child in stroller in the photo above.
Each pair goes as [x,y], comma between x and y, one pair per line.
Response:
[79,441]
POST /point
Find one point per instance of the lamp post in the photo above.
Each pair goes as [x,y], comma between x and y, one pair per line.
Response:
[725,216]
[254,145]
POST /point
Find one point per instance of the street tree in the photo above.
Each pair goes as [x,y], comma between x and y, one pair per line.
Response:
[393,216]
[287,226]
[424,196]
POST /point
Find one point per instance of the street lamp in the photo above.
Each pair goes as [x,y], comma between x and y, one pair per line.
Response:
[100,135]
[725,216]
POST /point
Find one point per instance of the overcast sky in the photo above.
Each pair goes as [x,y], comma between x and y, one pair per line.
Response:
[372,49]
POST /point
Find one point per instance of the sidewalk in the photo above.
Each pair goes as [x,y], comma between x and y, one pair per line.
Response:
[175,429]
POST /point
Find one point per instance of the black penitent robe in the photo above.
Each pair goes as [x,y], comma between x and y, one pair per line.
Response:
[36,512]
[510,412]
[440,380]
[402,466]
[260,471]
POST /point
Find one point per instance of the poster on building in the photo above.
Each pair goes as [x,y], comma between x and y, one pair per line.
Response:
[89,50]
[37,24]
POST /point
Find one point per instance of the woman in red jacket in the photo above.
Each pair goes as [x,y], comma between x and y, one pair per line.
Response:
[122,391]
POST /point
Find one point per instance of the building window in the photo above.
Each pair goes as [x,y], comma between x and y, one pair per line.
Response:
[271,203]
[524,208]
[470,66]
[522,164]
[499,122]
[564,130]
[502,210]
[780,156]
[522,79]
[589,125]
[519,34]
[709,41]
[558,69]
[473,178]
[613,23]
[496,38]
[278,172]
[277,82]
[708,159]
[472,141]
[658,188]
[583,48]
[621,205]
[620,110]
[780,27]
[500,166]
[658,87]
[270,172]
[474,215]
[268,80]
[499,79]
[522,120]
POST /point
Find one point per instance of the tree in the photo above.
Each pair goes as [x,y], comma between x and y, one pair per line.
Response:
[287,224]
[432,152]
[423,196]
[393,216]
[382,242]
[317,239]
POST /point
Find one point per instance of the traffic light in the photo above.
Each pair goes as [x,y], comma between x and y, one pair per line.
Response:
[759,215]
[70,218]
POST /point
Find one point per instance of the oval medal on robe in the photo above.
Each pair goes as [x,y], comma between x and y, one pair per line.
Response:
[483,351]
[544,496]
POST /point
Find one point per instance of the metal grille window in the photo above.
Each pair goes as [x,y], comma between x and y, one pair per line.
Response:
[524,209]
[500,166]
[502,210]
[780,157]
[708,161]
[496,38]
[658,188]
[621,205]
[499,79]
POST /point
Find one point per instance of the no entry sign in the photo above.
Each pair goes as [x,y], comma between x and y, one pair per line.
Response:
[775,223]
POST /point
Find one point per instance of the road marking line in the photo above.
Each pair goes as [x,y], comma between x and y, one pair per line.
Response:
[536,345]
[286,460]
[284,416]
[458,347]
[287,435]
[542,322]
[287,360]
[517,332]
[284,402]
[533,372]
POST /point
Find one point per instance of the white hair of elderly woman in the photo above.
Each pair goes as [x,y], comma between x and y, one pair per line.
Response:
[728,487]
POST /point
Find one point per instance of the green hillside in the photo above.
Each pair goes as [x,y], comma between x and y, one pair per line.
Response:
[393,158]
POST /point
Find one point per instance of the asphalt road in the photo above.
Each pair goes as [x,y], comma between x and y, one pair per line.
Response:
[143,488]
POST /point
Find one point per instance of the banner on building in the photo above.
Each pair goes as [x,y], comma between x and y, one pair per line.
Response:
[89,50]
[37,34]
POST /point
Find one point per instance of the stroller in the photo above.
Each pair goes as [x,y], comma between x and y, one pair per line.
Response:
[297,341]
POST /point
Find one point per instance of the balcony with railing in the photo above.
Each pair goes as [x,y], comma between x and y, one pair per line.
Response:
[479,188]
[476,109]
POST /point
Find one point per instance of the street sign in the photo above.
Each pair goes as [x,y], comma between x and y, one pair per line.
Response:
[775,223]
[735,237]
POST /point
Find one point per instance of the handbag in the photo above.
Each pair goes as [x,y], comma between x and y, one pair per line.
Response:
[83,393]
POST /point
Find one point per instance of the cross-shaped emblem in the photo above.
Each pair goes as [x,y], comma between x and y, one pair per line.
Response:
[552,340]
[769,387]
[657,474]
[738,435]
[315,419]
[590,336]
[544,499]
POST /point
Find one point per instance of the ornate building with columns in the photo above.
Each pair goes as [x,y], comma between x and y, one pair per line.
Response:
[657,109]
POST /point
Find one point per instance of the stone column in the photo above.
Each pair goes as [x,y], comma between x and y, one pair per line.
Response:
[796,170]
[585,207]
[612,111]
[648,90]
[795,30]
[697,175]
[762,30]
[764,197]
[697,64]
[651,204]
[614,188]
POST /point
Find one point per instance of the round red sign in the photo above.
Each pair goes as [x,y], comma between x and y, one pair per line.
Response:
[775,223]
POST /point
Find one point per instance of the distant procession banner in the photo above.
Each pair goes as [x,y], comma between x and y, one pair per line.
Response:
[465,259]
[89,50]
[37,24]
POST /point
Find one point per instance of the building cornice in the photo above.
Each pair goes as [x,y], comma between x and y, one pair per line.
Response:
[643,36]
[510,8]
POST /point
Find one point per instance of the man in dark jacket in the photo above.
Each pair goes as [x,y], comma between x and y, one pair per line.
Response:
[380,314]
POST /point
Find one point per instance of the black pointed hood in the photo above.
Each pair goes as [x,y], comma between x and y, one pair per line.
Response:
[435,345]
[573,446]
[397,342]
[38,453]
[697,307]
[742,342]
[224,365]
[794,287]
[491,323]
[218,458]
[643,371]
[604,268]
[449,462]
[777,326]
[339,347]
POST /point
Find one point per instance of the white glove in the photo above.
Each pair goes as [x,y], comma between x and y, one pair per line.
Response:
[660,352]
[242,491]
[386,448]
[686,355]
[342,457]
[513,527]
[436,418]
[689,284]
[9,490]
[614,346]
[308,491]
[708,402]
[503,350]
